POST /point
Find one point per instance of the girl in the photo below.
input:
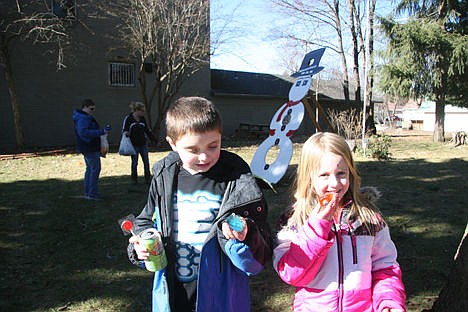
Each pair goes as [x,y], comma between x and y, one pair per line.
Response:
[335,248]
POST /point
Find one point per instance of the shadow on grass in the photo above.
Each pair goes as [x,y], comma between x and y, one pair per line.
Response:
[425,205]
[59,250]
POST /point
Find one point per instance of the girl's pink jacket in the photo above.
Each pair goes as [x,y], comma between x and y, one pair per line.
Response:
[339,270]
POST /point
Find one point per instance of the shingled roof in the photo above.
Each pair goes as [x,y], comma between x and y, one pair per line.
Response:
[228,82]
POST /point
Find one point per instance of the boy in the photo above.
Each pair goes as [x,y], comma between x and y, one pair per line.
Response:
[194,189]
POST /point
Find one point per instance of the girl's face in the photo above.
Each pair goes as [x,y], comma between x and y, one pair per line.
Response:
[332,176]
[198,151]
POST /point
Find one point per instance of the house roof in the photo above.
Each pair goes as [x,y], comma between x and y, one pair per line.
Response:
[229,82]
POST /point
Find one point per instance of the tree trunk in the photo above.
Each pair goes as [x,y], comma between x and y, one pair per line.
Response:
[453,296]
[370,47]
[14,99]
[344,65]
[357,79]
[439,134]
[156,129]
[442,67]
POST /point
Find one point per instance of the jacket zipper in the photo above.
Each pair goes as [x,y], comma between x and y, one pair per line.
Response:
[339,240]
[353,245]
[351,231]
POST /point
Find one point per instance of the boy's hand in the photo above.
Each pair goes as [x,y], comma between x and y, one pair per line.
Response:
[141,251]
[231,234]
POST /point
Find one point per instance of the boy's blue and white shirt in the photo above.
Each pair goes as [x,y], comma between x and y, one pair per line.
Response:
[196,206]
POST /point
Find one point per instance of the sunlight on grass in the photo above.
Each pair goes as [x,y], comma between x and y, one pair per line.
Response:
[10,245]
[278,302]
[109,275]
[100,304]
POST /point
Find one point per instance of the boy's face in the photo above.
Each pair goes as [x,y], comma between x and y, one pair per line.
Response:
[198,151]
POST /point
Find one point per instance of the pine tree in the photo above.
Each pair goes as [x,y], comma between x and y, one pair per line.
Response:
[427,56]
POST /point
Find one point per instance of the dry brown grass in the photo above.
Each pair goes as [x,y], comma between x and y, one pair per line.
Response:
[59,252]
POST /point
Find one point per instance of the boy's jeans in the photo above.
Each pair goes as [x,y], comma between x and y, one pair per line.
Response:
[93,169]
[143,151]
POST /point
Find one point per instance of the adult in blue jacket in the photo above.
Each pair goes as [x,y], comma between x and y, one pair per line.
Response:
[88,142]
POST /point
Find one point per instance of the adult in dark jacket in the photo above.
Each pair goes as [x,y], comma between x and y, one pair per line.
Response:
[88,142]
[135,127]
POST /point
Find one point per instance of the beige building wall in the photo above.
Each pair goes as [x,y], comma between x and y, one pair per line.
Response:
[47,97]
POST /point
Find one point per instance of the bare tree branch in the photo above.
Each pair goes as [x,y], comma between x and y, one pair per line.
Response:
[172,36]
[324,15]
[34,21]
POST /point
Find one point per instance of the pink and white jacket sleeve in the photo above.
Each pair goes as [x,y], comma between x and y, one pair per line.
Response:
[300,253]
[388,290]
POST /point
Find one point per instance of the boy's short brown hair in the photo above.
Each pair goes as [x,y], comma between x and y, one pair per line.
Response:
[191,115]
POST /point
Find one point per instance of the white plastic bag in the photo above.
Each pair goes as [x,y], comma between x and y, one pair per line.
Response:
[126,147]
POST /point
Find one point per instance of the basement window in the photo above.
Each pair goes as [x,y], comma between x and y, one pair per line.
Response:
[121,75]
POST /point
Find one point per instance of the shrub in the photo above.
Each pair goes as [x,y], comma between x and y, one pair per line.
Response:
[347,123]
[378,146]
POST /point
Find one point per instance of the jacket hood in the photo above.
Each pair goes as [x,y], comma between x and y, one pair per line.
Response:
[371,193]
[78,113]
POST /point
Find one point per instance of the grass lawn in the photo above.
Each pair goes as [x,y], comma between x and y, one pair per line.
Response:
[60,252]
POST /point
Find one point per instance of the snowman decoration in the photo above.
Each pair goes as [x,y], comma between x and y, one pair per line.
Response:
[285,123]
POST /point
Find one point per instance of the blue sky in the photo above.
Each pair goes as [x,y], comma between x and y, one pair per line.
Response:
[252,46]
[249,50]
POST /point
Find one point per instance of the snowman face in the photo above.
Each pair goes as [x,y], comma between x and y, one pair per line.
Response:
[300,88]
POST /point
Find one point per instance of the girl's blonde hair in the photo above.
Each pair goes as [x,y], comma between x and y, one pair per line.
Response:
[305,196]
[136,106]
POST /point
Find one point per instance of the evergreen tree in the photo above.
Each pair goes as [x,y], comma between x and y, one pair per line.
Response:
[427,56]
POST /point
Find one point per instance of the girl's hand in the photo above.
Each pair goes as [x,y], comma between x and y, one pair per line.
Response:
[327,209]
[231,234]
[392,310]
[141,251]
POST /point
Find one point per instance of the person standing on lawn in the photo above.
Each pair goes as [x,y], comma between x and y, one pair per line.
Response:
[135,127]
[335,248]
[194,190]
[88,142]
